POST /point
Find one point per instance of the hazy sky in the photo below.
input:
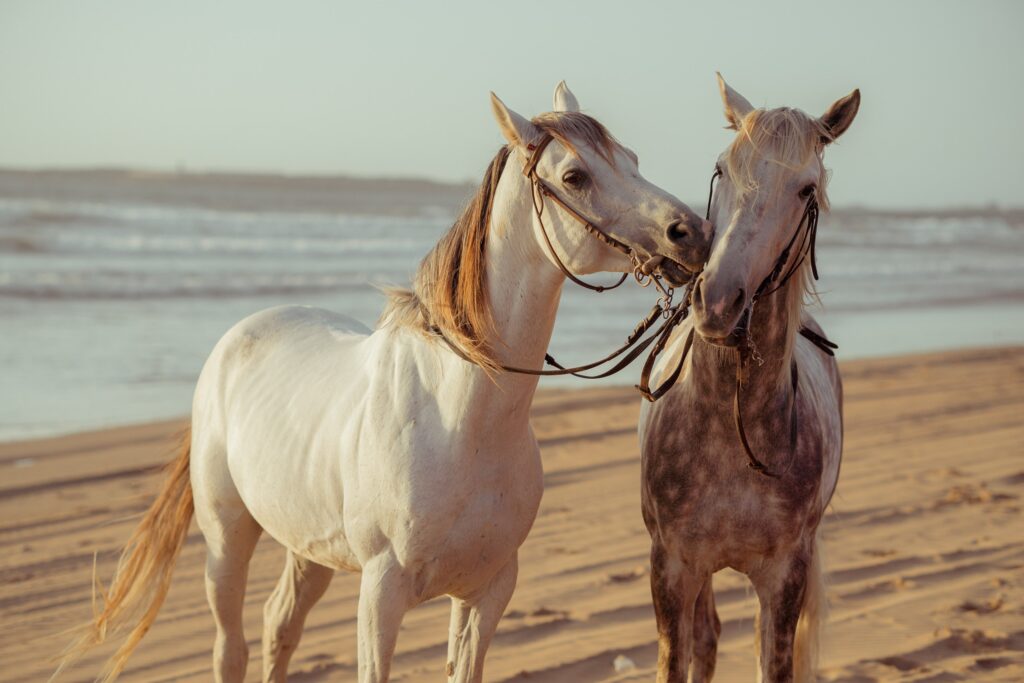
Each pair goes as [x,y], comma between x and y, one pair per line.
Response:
[400,88]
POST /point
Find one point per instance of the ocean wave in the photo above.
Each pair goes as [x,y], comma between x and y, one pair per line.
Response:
[138,243]
[922,267]
[20,244]
[78,285]
[924,231]
[56,212]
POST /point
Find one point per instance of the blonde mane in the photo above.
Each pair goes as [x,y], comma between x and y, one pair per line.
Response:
[449,290]
[784,136]
[571,127]
[790,138]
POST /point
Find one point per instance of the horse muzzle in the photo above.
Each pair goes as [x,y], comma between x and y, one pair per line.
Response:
[690,240]
[721,321]
[675,273]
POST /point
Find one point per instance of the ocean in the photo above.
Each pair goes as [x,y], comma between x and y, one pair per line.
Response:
[115,285]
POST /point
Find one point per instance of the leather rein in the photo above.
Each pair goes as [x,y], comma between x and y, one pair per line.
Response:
[644,272]
[806,231]
[673,314]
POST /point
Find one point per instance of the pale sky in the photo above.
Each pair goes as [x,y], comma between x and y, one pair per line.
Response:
[401,88]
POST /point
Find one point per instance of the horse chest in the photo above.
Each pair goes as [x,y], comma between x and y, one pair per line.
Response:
[455,511]
[721,520]
[699,495]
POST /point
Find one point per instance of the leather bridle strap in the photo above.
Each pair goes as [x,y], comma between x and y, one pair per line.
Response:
[644,387]
[737,413]
[643,272]
[537,149]
[540,191]
[807,241]
[538,206]
[821,342]
[631,342]
[808,238]
[587,224]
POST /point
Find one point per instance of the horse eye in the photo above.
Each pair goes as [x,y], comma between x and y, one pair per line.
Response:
[574,178]
[807,191]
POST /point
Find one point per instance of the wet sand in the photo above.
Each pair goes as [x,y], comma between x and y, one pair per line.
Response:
[924,546]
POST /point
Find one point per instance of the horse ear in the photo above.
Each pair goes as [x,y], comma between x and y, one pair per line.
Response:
[736,106]
[515,129]
[564,99]
[840,115]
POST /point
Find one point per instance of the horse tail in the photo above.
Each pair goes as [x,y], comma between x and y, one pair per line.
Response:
[143,575]
[812,619]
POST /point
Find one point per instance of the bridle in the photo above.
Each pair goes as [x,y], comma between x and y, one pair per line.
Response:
[644,272]
[673,314]
[807,231]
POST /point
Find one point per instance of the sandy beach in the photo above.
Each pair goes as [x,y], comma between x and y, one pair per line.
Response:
[924,546]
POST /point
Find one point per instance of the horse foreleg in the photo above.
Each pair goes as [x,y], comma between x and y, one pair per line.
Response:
[706,629]
[385,593]
[781,588]
[302,583]
[466,663]
[456,629]
[674,587]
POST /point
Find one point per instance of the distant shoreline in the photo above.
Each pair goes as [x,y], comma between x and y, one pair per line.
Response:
[324,191]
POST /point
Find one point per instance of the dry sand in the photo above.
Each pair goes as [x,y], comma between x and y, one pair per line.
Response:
[925,546]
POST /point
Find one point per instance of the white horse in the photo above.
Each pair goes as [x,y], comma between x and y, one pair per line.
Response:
[385,451]
[755,398]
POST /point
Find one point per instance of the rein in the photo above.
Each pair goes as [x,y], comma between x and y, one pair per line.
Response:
[746,349]
[673,315]
[644,272]
[807,230]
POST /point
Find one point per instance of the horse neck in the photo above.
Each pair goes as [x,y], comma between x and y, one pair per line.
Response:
[772,335]
[523,289]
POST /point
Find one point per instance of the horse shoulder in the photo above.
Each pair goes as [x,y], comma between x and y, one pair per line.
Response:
[820,392]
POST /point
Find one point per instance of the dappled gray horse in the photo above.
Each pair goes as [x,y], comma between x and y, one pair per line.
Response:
[742,456]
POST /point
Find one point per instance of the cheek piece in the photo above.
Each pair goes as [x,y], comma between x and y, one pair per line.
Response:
[807,231]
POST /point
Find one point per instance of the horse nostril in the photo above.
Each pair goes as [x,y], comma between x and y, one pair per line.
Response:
[679,231]
[740,299]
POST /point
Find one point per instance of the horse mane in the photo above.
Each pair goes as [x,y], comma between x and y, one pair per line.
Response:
[570,127]
[790,138]
[787,137]
[449,290]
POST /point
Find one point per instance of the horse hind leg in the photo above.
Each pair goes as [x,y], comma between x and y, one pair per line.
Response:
[302,583]
[707,627]
[231,534]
